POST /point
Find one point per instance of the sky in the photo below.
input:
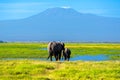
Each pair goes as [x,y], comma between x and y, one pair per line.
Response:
[18,9]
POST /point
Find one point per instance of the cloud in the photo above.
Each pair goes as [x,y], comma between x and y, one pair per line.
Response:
[66,7]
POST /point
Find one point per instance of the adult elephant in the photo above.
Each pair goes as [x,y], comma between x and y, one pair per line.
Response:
[66,54]
[55,49]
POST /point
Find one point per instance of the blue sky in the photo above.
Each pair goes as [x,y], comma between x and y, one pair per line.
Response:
[17,9]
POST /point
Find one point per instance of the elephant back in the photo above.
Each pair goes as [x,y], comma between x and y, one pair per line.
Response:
[55,46]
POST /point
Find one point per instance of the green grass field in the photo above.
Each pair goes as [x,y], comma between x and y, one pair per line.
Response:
[27,69]
[23,50]
[38,50]
[43,70]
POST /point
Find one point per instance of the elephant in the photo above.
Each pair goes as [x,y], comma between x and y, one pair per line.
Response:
[66,54]
[55,49]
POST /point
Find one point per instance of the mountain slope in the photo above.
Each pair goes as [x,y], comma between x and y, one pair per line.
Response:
[61,24]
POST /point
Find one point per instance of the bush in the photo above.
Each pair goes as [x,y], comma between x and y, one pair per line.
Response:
[1,41]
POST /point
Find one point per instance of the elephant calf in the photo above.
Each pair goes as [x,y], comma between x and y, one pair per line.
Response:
[66,54]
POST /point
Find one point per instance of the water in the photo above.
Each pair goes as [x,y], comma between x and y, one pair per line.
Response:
[42,48]
[100,57]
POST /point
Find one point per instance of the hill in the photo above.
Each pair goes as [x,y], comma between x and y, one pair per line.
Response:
[61,24]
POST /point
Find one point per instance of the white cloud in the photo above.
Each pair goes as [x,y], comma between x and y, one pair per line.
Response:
[66,7]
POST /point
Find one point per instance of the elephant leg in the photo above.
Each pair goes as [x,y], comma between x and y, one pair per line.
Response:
[65,57]
[62,55]
[55,57]
[59,56]
[51,54]
[50,58]
[68,58]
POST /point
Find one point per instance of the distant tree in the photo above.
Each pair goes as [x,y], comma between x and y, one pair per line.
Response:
[1,41]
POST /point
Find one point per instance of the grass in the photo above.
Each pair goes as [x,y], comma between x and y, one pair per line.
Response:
[94,48]
[38,50]
[43,70]
[23,50]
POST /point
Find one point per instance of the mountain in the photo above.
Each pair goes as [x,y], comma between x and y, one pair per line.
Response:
[62,25]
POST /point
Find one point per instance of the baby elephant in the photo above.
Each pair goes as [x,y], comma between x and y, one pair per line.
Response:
[66,54]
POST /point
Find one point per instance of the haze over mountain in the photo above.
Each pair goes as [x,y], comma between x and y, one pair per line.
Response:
[61,24]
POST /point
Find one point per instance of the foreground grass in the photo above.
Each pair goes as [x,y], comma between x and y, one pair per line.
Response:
[43,70]
[39,50]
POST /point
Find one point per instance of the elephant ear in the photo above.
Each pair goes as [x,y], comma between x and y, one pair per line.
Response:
[62,44]
[49,45]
